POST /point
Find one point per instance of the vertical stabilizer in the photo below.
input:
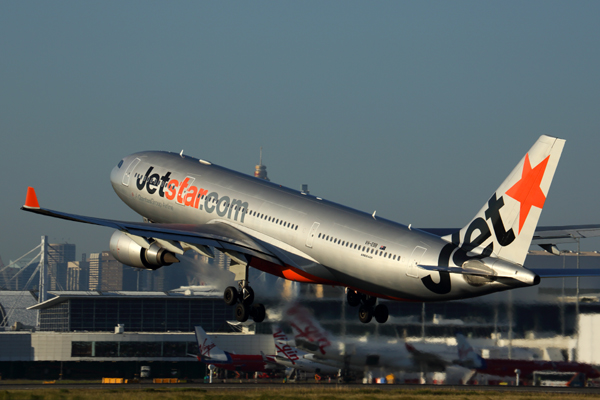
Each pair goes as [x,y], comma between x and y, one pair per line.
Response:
[308,333]
[283,347]
[208,350]
[505,225]
[466,354]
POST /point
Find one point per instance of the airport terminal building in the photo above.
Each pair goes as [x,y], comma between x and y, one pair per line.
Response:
[96,334]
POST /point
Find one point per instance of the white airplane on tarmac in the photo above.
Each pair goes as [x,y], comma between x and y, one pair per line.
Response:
[192,204]
[289,356]
[357,355]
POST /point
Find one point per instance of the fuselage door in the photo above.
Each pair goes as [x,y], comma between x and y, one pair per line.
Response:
[129,171]
[414,260]
[311,234]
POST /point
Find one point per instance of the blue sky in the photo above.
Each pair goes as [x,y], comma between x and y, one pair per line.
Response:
[415,109]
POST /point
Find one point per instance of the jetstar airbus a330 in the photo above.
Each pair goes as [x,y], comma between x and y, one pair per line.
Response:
[192,204]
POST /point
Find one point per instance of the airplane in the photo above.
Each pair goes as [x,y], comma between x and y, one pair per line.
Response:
[210,354]
[193,204]
[468,358]
[291,357]
[356,355]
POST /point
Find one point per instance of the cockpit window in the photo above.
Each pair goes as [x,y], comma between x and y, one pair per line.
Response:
[120,163]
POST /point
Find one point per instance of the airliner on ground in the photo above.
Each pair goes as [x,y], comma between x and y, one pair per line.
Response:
[192,204]
[357,355]
[210,354]
[290,357]
[504,367]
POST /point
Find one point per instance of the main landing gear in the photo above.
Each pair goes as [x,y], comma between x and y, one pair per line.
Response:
[368,308]
[244,297]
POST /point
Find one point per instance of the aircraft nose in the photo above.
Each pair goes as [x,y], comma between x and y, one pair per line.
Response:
[117,173]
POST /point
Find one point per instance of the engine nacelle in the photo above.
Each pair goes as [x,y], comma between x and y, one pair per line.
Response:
[127,251]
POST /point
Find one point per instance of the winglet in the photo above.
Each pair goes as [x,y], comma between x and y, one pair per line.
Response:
[31,200]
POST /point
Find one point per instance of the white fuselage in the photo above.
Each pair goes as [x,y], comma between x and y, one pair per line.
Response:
[324,242]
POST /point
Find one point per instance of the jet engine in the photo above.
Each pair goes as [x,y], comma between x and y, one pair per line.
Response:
[130,252]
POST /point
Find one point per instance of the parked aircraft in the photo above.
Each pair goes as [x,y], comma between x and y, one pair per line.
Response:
[210,354]
[467,357]
[290,357]
[356,355]
[192,204]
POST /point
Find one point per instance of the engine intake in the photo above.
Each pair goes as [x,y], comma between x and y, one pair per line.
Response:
[127,251]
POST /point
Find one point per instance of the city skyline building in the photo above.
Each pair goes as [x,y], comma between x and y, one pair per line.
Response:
[59,255]
[78,275]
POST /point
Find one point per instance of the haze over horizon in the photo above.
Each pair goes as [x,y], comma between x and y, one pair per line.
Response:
[418,110]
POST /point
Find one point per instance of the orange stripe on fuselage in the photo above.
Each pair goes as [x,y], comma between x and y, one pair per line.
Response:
[297,275]
[288,272]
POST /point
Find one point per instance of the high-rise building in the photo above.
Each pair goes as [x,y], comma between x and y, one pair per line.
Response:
[105,272]
[78,273]
[59,255]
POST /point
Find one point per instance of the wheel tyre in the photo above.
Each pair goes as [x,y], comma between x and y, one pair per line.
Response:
[365,314]
[247,295]
[369,300]
[353,298]
[242,312]
[258,313]
[381,313]
[230,295]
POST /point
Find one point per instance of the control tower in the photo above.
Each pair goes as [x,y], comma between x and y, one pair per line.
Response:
[260,171]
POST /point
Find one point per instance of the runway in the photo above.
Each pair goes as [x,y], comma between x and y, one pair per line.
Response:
[249,386]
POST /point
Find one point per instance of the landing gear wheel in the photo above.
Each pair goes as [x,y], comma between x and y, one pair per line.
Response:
[247,295]
[369,300]
[258,313]
[365,314]
[230,295]
[381,313]
[242,312]
[353,298]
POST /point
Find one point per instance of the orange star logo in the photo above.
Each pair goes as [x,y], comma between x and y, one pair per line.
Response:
[527,191]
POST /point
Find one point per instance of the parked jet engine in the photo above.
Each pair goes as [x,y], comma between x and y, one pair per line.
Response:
[130,252]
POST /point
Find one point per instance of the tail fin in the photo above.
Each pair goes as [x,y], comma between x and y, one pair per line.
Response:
[514,209]
[467,356]
[308,333]
[208,350]
[283,347]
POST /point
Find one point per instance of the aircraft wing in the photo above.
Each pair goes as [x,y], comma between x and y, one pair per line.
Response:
[176,237]
[427,360]
[573,232]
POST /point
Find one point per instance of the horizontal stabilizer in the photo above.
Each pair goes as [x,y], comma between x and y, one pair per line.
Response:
[456,270]
[495,270]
